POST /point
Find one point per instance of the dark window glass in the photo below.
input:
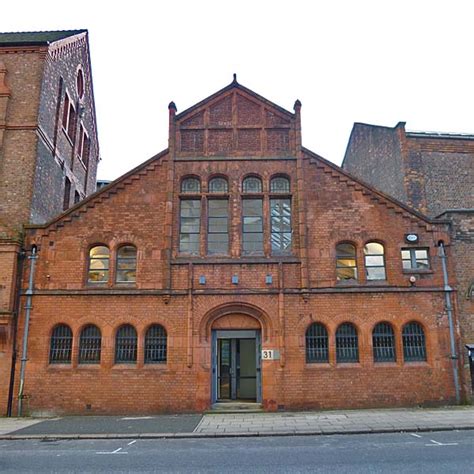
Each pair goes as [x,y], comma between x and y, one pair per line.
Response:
[280,185]
[190,185]
[374,261]
[60,350]
[99,264]
[155,345]
[218,185]
[252,184]
[126,264]
[347,346]
[280,212]
[317,344]
[217,229]
[414,347]
[346,263]
[90,345]
[383,343]
[77,197]
[252,228]
[415,259]
[80,83]
[67,193]
[126,345]
[71,122]
[190,224]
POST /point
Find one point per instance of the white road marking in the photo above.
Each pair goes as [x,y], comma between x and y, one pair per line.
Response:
[117,450]
[415,435]
[437,443]
[127,418]
[132,442]
[111,452]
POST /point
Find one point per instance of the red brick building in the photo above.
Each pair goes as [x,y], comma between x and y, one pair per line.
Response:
[236,265]
[434,173]
[48,154]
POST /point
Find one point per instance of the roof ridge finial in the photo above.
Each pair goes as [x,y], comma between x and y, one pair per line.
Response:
[235,78]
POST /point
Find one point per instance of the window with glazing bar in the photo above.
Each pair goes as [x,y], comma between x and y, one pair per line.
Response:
[374,261]
[98,264]
[346,263]
[189,226]
[414,346]
[126,264]
[60,350]
[280,215]
[155,345]
[383,343]
[252,231]
[317,344]
[126,345]
[218,226]
[347,344]
[415,259]
[90,345]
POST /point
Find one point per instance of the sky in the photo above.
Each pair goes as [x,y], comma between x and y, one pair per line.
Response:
[347,61]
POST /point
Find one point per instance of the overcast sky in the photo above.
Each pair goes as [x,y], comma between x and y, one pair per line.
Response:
[376,62]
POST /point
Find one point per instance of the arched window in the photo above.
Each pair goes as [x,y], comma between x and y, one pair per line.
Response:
[383,343]
[317,344]
[280,184]
[218,185]
[60,349]
[374,261]
[90,345]
[346,263]
[414,346]
[126,345]
[99,264]
[126,271]
[155,345]
[347,344]
[190,185]
[252,184]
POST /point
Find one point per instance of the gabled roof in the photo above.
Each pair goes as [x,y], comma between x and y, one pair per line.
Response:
[36,38]
[233,85]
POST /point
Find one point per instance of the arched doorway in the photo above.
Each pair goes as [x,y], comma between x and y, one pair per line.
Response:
[236,335]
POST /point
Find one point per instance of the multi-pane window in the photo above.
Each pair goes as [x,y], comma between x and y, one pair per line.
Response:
[99,257]
[126,264]
[191,186]
[252,184]
[90,345]
[126,345]
[218,185]
[374,261]
[280,215]
[347,346]
[155,345]
[280,184]
[414,346]
[252,228]
[415,259]
[317,344]
[190,223]
[383,343]
[218,226]
[60,349]
[346,263]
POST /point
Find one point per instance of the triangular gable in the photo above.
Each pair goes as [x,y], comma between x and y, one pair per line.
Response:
[235,121]
[368,190]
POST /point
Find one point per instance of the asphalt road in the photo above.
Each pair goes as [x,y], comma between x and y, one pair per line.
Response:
[436,452]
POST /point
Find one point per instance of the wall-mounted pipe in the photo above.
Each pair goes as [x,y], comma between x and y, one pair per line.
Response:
[449,310]
[24,356]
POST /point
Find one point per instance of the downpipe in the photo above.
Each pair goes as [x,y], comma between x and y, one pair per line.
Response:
[24,356]
[449,309]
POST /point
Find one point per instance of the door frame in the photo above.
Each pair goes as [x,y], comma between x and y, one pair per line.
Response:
[236,334]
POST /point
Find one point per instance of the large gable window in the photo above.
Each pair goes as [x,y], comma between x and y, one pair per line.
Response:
[218,227]
[189,226]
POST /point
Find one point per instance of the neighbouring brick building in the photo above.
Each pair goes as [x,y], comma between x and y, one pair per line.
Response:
[433,173]
[236,264]
[48,152]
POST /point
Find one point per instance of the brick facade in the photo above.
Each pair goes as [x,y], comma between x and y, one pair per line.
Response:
[36,69]
[433,173]
[233,134]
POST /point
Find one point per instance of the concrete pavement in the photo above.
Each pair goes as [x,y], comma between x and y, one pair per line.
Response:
[240,424]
